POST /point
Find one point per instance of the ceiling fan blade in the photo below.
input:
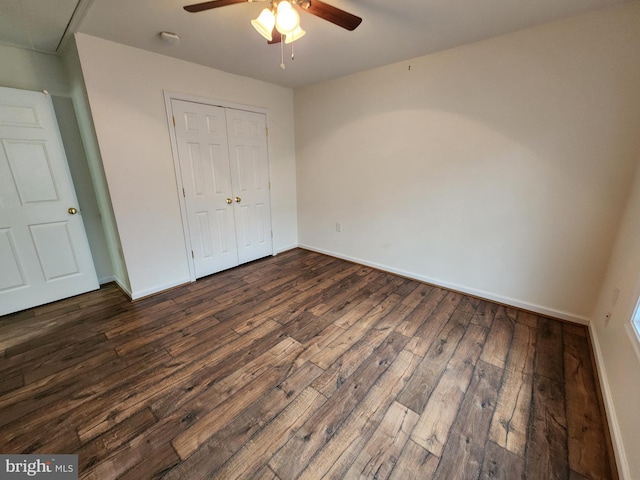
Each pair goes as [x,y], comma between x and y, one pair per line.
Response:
[201,7]
[332,14]
[276,37]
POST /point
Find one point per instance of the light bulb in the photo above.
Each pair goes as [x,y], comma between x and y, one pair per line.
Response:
[287,18]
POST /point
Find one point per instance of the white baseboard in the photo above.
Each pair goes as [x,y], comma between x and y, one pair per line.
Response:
[616,436]
[285,249]
[549,312]
[104,280]
[122,287]
[137,295]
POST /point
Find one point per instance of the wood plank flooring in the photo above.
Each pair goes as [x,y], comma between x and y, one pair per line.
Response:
[302,366]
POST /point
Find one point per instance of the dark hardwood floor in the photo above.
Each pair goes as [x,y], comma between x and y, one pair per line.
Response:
[301,366]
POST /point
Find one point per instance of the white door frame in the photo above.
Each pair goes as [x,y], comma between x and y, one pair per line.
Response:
[168,96]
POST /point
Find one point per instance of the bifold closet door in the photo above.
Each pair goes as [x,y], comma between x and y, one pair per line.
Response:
[225,183]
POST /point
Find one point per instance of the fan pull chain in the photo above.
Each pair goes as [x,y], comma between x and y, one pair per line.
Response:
[282,65]
[293,57]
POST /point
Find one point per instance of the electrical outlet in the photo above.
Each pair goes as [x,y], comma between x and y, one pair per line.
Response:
[338,227]
[607,319]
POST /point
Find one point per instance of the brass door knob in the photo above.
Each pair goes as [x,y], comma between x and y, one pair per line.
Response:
[72,211]
[229,201]
[238,199]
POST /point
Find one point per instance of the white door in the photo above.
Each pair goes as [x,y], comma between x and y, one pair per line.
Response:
[201,133]
[44,253]
[226,196]
[247,133]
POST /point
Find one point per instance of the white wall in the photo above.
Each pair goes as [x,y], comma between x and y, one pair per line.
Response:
[618,347]
[77,160]
[499,168]
[29,70]
[32,71]
[125,88]
[71,63]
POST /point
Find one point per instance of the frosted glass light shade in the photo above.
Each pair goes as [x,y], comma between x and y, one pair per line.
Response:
[287,19]
[295,35]
[264,23]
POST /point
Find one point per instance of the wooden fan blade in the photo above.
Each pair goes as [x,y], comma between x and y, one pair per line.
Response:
[201,7]
[332,14]
[276,37]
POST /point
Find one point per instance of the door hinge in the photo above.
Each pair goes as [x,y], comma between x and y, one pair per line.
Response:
[183,193]
[192,255]
[266,131]
[174,120]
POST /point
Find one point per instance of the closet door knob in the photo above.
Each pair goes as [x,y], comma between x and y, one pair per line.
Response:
[229,201]
[238,199]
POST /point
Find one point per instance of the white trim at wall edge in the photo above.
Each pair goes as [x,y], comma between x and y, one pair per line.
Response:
[549,312]
[612,419]
[103,280]
[122,287]
[285,249]
[158,289]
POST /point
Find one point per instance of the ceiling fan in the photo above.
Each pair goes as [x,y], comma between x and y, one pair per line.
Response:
[280,20]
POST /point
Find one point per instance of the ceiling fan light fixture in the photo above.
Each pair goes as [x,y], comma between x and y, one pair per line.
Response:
[264,23]
[287,18]
[280,22]
[297,34]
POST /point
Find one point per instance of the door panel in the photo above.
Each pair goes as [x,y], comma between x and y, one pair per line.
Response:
[30,170]
[18,115]
[44,253]
[12,272]
[204,166]
[226,232]
[55,250]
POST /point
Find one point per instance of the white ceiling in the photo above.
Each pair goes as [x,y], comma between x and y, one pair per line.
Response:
[35,24]
[391,31]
